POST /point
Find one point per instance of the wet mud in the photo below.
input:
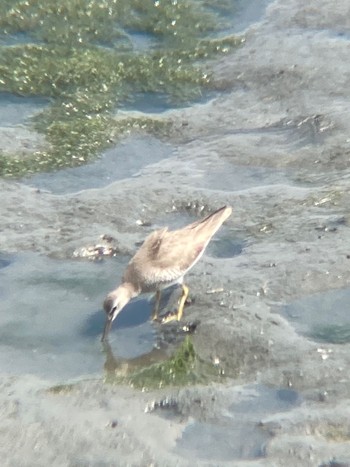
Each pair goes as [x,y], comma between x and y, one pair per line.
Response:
[270,296]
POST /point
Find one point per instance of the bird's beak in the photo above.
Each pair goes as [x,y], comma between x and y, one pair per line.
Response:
[107,327]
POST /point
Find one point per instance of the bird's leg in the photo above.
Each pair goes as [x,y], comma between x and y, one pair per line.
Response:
[156,305]
[178,314]
[185,292]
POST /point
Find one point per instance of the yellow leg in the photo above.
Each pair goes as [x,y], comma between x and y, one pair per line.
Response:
[156,305]
[185,291]
[178,314]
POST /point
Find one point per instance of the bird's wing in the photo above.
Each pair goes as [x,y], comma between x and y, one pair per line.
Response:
[153,245]
[175,250]
[156,260]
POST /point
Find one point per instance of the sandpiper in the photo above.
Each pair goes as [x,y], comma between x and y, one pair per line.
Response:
[163,260]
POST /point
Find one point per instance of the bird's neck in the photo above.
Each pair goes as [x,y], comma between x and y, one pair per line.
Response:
[131,289]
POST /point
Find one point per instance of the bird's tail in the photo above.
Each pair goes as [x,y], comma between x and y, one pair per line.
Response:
[212,222]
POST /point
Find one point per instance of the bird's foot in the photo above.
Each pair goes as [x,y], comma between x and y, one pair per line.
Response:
[168,317]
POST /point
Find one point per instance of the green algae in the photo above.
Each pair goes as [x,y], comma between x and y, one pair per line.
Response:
[182,369]
[80,54]
[61,389]
[179,370]
[77,142]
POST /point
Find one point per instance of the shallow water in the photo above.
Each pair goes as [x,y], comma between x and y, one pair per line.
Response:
[230,177]
[16,110]
[238,434]
[138,155]
[122,161]
[52,310]
[51,319]
[322,317]
[245,13]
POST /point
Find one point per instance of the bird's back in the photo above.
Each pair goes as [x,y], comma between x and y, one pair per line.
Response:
[166,256]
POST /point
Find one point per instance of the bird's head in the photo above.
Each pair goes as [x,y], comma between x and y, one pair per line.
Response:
[113,305]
